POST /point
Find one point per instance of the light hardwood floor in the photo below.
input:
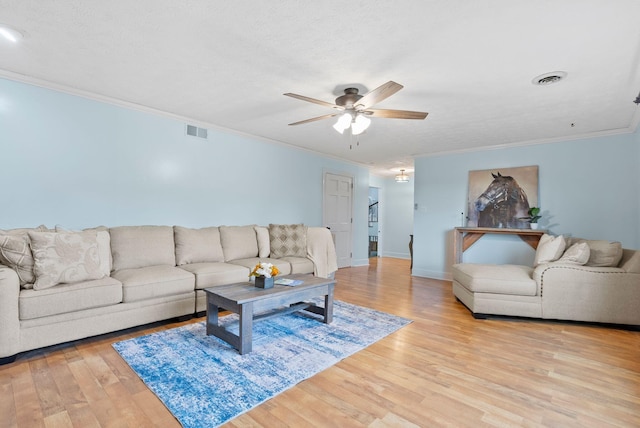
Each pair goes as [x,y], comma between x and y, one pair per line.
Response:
[444,369]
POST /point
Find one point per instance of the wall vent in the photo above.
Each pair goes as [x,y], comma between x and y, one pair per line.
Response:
[194,131]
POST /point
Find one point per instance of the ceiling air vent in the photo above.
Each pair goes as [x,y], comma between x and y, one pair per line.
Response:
[194,131]
[549,78]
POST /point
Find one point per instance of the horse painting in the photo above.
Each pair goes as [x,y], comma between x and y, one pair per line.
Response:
[502,204]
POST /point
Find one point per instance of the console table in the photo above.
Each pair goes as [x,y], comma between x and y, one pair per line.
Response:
[465,237]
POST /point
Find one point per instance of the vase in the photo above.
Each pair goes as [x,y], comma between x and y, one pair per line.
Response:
[264,282]
[534,226]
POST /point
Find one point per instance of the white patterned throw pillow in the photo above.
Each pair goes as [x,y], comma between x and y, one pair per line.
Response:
[66,258]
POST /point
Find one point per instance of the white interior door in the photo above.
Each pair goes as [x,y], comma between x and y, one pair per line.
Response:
[338,197]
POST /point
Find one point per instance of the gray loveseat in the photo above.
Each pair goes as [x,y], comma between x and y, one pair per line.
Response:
[601,286]
[57,286]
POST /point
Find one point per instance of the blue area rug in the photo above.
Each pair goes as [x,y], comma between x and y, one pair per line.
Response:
[204,382]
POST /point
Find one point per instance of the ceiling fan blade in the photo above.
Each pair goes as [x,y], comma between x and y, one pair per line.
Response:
[313,100]
[378,94]
[313,119]
[396,114]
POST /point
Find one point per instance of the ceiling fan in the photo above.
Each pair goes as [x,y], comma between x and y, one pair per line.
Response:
[355,109]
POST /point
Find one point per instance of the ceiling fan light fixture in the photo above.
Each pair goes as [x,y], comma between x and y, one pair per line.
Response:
[343,123]
[10,34]
[402,177]
[360,124]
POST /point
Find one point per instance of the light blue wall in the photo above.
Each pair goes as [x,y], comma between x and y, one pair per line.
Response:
[398,220]
[78,162]
[588,188]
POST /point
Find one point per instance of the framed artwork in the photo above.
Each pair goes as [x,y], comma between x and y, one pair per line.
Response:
[500,197]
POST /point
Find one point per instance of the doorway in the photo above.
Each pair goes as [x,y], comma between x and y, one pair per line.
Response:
[374,222]
[337,214]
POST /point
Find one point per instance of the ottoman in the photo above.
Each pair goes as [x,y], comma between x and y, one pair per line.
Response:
[497,290]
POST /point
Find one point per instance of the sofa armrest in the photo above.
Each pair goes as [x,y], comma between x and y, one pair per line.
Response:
[587,293]
[9,316]
[630,261]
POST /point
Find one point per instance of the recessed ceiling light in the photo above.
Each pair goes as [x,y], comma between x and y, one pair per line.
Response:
[549,78]
[10,33]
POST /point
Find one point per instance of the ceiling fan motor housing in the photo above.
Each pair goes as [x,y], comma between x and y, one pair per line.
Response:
[349,98]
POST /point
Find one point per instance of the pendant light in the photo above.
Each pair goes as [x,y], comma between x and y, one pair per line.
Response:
[402,177]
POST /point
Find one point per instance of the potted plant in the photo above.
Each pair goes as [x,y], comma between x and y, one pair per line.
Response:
[533,217]
[264,273]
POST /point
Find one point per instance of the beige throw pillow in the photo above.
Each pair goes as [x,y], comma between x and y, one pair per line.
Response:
[576,254]
[288,240]
[550,248]
[66,258]
[602,253]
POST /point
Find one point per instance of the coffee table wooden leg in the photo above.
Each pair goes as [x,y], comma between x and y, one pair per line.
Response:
[212,317]
[328,306]
[245,329]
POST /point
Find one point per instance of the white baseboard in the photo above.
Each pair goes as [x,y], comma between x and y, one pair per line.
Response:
[446,276]
[396,255]
[359,262]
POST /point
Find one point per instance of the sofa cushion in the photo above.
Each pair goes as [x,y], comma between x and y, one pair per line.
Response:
[576,254]
[68,257]
[602,253]
[283,266]
[141,246]
[550,249]
[66,298]
[299,264]
[497,279]
[238,242]
[215,274]
[153,281]
[197,245]
[264,247]
[288,240]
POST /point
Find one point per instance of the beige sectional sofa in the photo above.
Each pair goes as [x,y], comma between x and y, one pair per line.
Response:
[601,285]
[57,286]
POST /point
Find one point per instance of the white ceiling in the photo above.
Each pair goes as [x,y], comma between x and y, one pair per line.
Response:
[227,63]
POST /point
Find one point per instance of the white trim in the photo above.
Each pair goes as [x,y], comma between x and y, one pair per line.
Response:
[404,256]
[607,133]
[444,276]
[359,262]
[635,122]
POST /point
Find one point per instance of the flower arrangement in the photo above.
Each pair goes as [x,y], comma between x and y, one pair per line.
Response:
[266,270]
